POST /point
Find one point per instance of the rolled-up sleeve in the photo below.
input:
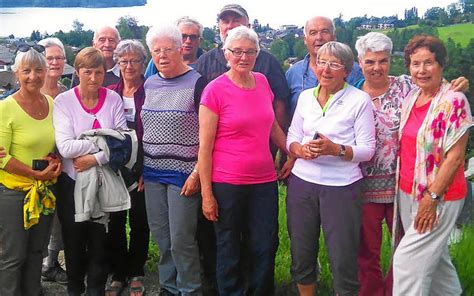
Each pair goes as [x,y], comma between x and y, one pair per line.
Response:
[364,129]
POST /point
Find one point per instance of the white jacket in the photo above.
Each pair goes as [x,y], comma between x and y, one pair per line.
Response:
[349,120]
[99,190]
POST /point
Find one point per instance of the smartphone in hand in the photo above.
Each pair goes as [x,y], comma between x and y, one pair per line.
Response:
[316,136]
[39,164]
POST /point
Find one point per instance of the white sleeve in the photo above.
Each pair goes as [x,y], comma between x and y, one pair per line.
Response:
[295,131]
[364,128]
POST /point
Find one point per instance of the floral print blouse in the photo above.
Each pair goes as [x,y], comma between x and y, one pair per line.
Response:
[379,173]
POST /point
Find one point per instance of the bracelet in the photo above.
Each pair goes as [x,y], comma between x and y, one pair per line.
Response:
[194,171]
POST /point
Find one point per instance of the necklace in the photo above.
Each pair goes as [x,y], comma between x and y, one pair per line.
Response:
[36,112]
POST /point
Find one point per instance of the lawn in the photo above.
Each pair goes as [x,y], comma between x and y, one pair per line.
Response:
[461,253]
[460,33]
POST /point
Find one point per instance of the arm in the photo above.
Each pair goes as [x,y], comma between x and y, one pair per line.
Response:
[279,139]
[426,216]
[207,133]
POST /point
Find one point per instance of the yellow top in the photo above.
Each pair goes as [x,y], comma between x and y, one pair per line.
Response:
[24,137]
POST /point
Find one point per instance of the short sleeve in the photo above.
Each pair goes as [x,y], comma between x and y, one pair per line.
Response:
[210,99]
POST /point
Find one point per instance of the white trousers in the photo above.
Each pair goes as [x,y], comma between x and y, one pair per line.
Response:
[421,263]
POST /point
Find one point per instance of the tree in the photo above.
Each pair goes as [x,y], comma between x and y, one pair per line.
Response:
[128,28]
[35,36]
[411,16]
[279,49]
[299,49]
[77,26]
[436,16]
[208,36]
[11,36]
[256,26]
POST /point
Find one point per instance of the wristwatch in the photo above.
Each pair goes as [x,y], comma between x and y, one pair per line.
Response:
[342,153]
[433,195]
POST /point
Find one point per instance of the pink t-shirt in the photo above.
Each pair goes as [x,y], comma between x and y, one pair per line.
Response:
[457,189]
[241,152]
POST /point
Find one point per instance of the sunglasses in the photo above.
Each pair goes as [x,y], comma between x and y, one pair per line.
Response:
[192,37]
[26,47]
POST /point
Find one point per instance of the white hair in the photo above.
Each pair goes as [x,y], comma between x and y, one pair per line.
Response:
[374,42]
[241,32]
[332,27]
[96,33]
[340,51]
[167,31]
[186,20]
[52,41]
[31,57]
[130,46]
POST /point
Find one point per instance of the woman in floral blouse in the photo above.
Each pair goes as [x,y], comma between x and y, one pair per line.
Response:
[378,186]
[433,136]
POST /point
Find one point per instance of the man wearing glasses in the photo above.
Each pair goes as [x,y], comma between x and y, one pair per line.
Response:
[191,31]
[317,31]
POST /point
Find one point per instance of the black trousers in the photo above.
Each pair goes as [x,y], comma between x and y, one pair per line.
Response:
[84,244]
[127,263]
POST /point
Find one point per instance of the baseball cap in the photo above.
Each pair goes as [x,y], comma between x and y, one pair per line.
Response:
[235,8]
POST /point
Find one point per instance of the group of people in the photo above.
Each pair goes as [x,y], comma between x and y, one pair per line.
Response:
[361,147]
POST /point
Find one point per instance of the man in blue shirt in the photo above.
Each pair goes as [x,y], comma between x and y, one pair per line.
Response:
[317,32]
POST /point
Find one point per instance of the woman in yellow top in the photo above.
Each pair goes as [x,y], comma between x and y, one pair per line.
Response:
[26,202]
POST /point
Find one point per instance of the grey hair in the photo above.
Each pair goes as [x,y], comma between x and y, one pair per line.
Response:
[96,33]
[241,32]
[373,41]
[332,27]
[31,57]
[53,41]
[166,31]
[186,20]
[340,51]
[130,46]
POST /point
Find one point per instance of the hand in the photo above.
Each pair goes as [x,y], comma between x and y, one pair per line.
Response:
[83,163]
[324,146]
[3,153]
[209,207]
[53,170]
[426,216]
[460,84]
[287,167]
[307,151]
[141,184]
[191,186]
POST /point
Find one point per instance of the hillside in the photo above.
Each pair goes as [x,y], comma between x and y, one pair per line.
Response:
[460,33]
[71,3]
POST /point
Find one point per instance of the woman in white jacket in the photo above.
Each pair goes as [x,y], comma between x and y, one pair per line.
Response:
[332,131]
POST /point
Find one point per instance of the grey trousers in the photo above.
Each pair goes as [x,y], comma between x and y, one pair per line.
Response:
[421,263]
[21,251]
[338,211]
[172,219]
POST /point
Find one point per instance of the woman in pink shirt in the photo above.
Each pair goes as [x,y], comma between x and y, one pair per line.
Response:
[238,178]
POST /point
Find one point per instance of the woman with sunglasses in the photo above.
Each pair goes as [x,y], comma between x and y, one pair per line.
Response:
[55,57]
[27,172]
[332,131]
[238,178]
[128,263]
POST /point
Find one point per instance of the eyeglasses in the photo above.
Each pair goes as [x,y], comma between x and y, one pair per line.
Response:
[239,52]
[192,37]
[164,51]
[131,63]
[52,59]
[26,47]
[332,65]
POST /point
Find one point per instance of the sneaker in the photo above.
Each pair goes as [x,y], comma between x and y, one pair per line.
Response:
[54,274]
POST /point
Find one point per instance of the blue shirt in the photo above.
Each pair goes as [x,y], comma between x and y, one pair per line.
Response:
[300,77]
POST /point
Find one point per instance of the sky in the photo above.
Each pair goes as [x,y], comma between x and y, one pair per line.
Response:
[22,21]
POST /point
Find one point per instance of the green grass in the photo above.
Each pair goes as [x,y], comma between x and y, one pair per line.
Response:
[461,253]
[460,33]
